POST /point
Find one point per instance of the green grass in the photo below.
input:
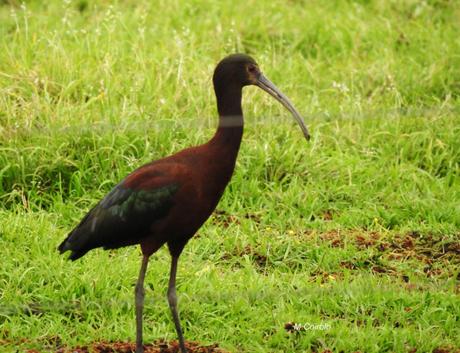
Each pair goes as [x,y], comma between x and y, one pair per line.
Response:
[358,229]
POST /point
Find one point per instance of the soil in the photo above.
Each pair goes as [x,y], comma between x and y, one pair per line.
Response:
[128,347]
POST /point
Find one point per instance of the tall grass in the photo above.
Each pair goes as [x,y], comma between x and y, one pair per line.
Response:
[357,229]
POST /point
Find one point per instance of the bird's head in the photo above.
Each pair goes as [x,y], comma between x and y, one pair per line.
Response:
[239,70]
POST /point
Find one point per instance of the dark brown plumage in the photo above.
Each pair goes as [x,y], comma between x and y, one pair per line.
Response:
[168,200]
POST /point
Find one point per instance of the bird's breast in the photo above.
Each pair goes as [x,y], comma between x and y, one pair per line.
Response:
[194,202]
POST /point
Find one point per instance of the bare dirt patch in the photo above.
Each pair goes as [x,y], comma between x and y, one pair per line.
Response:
[224,219]
[129,347]
[423,247]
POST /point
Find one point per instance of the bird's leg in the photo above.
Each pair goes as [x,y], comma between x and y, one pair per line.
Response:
[172,299]
[140,304]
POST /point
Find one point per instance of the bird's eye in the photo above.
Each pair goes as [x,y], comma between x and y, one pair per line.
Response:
[252,69]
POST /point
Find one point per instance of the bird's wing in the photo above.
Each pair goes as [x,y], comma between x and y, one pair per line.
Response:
[124,215]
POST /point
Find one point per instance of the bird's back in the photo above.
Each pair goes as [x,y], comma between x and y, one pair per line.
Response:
[164,201]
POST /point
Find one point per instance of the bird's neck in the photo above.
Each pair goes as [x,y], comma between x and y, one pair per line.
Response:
[231,122]
[222,149]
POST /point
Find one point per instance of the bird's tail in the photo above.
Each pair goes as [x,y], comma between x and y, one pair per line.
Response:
[68,245]
[63,247]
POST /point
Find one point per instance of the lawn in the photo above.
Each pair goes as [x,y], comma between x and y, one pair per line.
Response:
[348,243]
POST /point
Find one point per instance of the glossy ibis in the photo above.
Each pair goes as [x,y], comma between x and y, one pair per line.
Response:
[167,201]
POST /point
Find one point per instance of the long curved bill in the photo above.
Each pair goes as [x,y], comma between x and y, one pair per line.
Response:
[271,89]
